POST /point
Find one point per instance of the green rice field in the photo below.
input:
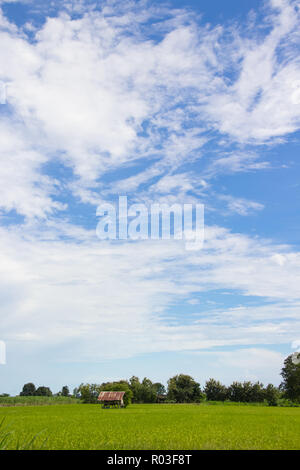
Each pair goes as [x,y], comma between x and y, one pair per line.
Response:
[154,427]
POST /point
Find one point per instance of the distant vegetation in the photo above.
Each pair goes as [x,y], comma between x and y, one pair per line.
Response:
[181,389]
[184,389]
[29,390]
[35,401]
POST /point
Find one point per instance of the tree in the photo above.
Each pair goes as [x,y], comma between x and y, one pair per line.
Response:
[236,392]
[159,389]
[148,393]
[272,395]
[43,392]
[28,390]
[291,379]
[65,391]
[76,392]
[257,393]
[88,393]
[246,392]
[215,391]
[135,387]
[184,389]
[142,392]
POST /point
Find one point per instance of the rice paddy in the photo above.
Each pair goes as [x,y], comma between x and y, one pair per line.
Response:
[154,427]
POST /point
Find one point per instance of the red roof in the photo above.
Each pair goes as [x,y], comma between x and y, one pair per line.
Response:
[111,396]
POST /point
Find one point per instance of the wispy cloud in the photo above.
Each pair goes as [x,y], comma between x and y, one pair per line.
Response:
[92,290]
[240,206]
[149,101]
[97,93]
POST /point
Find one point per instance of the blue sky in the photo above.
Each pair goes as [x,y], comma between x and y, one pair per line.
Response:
[176,102]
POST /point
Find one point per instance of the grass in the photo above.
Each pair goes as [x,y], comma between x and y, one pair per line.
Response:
[6,435]
[36,401]
[155,427]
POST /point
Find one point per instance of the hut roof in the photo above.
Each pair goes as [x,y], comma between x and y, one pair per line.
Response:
[111,396]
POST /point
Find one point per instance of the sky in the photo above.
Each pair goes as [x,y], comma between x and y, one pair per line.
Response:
[165,102]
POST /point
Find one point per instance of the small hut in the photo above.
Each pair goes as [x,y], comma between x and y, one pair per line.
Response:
[111,399]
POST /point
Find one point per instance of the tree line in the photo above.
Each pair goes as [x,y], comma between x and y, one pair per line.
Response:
[183,388]
[30,390]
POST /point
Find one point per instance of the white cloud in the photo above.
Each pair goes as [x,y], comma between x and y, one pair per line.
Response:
[279,259]
[241,206]
[84,89]
[252,361]
[235,162]
[247,363]
[260,104]
[22,187]
[90,96]
[101,300]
